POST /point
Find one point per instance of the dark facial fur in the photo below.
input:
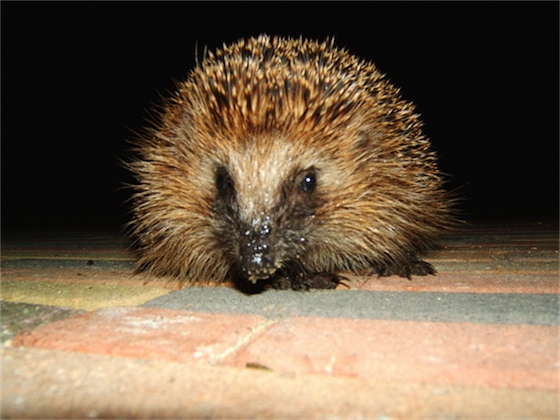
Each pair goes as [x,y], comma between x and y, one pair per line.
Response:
[282,163]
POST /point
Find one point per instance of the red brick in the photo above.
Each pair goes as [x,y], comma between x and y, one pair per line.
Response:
[148,333]
[54,384]
[466,283]
[503,356]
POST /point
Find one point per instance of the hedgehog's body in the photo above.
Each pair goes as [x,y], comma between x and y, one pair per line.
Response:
[283,162]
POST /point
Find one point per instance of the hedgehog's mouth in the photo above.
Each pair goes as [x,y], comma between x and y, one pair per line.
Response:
[264,274]
[257,267]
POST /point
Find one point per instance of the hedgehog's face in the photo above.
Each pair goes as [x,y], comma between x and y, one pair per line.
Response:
[266,199]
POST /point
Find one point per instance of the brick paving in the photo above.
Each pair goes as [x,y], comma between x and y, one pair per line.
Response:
[95,352]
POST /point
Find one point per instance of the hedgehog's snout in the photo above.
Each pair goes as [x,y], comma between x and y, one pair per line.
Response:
[256,252]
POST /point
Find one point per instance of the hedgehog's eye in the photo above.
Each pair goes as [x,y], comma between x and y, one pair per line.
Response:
[308,182]
[223,180]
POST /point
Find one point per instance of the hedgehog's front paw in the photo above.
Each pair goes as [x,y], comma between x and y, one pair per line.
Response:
[407,268]
[421,268]
[324,281]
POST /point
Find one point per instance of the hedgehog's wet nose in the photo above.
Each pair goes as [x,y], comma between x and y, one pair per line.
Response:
[256,254]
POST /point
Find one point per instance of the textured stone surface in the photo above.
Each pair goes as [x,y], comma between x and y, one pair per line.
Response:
[493,308]
[73,292]
[499,356]
[52,384]
[479,340]
[18,317]
[148,333]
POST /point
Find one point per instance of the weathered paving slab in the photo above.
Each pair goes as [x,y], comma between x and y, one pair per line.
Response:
[54,384]
[538,309]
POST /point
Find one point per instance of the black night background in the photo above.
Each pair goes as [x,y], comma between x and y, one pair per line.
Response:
[78,79]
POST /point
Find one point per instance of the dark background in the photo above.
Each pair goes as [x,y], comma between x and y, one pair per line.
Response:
[77,79]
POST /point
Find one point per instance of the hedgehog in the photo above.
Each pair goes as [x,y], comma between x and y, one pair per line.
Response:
[284,163]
